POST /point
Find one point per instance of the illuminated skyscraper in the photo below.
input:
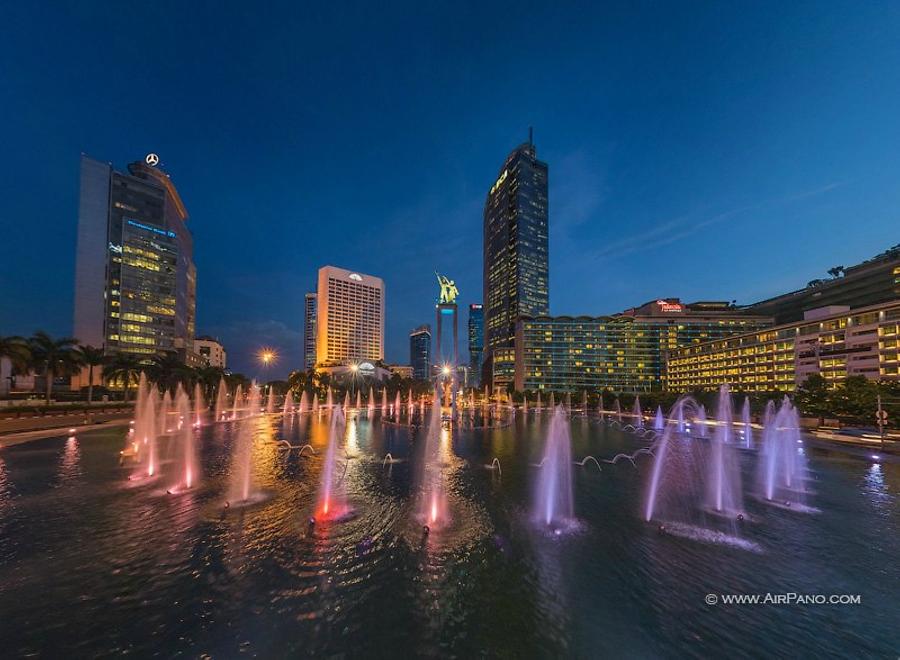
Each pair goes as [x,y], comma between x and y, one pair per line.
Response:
[516,255]
[309,331]
[476,343]
[135,280]
[420,352]
[349,317]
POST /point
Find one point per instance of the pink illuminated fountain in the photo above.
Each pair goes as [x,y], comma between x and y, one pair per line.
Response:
[188,471]
[199,405]
[238,400]
[240,490]
[432,508]
[331,502]
[221,400]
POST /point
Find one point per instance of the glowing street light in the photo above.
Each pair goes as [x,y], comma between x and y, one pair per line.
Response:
[268,356]
[445,370]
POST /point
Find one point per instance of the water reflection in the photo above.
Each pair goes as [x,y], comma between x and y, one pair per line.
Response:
[70,464]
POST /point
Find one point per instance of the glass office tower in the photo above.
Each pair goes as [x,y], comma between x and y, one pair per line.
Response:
[516,256]
[476,343]
[135,280]
[420,352]
[309,331]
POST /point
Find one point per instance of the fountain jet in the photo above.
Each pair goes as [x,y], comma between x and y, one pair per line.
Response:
[553,501]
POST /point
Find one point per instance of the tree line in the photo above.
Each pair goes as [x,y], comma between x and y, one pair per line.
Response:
[51,358]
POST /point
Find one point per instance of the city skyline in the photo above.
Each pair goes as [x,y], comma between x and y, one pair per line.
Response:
[658,177]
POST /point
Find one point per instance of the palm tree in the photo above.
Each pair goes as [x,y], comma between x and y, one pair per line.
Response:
[209,378]
[167,370]
[55,357]
[123,367]
[91,357]
[16,350]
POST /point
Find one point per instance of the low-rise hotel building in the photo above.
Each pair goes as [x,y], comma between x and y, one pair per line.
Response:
[833,342]
[625,352]
[211,351]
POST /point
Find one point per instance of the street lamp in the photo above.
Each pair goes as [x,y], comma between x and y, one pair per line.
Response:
[267,356]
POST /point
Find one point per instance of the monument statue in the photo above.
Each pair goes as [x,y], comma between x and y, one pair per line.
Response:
[448,289]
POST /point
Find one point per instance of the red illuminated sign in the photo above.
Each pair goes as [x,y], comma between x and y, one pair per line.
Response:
[669,307]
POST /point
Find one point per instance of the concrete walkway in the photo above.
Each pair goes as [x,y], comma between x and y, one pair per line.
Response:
[16,437]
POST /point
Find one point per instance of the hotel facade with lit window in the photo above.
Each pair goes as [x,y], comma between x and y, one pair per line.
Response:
[834,342]
[623,353]
[349,317]
[135,279]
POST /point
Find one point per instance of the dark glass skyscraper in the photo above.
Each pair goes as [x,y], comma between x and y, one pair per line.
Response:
[516,256]
[135,280]
[309,331]
[420,352]
[476,342]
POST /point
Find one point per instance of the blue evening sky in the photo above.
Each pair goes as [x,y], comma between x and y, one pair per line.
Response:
[729,150]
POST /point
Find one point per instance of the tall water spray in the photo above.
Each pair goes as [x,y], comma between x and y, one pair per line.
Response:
[241,487]
[659,422]
[784,466]
[188,474]
[638,414]
[331,495]
[221,400]
[745,423]
[724,480]
[693,481]
[701,421]
[238,402]
[164,424]
[432,500]
[199,405]
[552,499]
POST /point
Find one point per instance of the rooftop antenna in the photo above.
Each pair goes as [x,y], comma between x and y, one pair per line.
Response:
[530,136]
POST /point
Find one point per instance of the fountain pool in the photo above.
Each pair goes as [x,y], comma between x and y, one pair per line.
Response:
[100,565]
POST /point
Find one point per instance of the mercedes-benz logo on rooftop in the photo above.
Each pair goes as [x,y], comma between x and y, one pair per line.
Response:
[152,160]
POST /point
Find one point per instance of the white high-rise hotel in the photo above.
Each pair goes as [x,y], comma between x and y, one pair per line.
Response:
[349,317]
